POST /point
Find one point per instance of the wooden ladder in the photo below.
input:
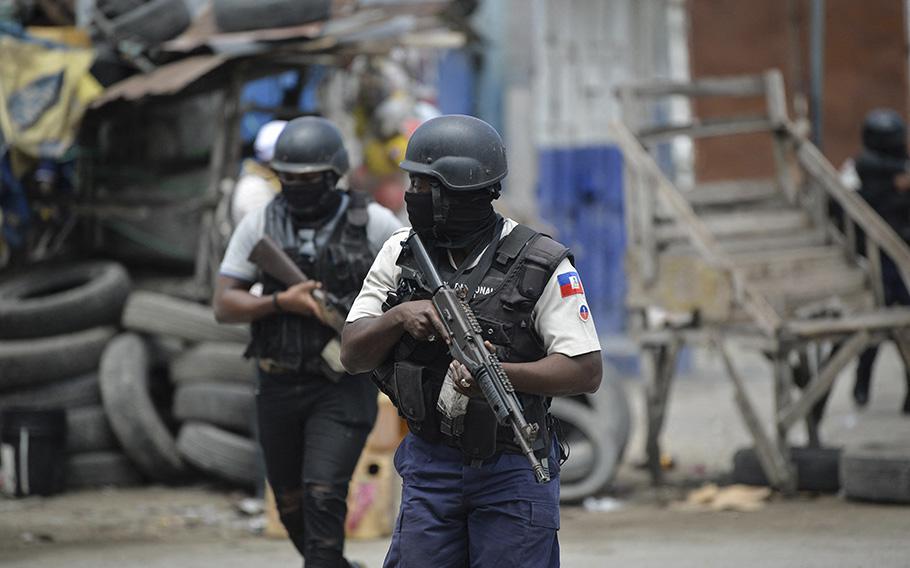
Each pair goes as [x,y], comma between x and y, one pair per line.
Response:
[761,262]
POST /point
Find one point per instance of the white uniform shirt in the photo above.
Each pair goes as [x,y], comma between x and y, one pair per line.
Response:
[561,316]
[380,224]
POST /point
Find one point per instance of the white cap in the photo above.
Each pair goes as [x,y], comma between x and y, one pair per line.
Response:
[264,145]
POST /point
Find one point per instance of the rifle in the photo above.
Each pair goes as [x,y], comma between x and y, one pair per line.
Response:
[467,347]
[269,257]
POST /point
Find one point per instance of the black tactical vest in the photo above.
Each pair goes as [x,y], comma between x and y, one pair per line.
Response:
[507,293]
[337,253]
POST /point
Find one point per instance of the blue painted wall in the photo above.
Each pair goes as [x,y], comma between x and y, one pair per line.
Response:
[580,193]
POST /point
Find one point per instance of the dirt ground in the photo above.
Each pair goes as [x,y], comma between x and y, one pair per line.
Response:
[194,527]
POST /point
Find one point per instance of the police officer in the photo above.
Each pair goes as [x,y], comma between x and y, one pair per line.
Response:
[882,169]
[469,497]
[312,422]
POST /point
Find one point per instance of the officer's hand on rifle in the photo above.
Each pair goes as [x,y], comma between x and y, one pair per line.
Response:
[420,319]
[462,378]
[299,299]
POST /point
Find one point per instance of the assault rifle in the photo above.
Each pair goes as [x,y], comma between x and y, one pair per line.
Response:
[467,347]
[269,257]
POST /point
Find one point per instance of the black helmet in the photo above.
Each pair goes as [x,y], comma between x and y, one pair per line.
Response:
[884,131]
[464,153]
[310,144]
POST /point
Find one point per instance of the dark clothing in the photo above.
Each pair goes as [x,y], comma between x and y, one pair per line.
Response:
[335,252]
[313,421]
[312,432]
[876,172]
[503,290]
[492,515]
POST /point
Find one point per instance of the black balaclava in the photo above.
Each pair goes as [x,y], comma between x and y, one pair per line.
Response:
[310,202]
[452,219]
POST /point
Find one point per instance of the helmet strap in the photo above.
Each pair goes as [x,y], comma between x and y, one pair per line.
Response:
[440,203]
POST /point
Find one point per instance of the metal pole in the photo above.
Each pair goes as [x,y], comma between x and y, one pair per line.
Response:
[817,57]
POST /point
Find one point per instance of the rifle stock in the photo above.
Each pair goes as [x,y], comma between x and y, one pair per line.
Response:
[269,257]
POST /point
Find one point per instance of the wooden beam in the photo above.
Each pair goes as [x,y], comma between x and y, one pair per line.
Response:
[707,128]
[732,192]
[822,382]
[774,464]
[742,86]
[884,319]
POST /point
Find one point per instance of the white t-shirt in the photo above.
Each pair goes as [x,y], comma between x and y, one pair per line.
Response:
[380,224]
[561,316]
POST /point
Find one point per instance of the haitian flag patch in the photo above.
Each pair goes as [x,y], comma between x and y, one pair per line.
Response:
[569,284]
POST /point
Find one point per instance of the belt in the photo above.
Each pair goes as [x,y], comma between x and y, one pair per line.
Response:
[270,366]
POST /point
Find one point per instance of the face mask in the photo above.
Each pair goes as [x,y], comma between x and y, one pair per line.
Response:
[466,217]
[312,199]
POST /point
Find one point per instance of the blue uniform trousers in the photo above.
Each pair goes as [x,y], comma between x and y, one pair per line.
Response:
[454,515]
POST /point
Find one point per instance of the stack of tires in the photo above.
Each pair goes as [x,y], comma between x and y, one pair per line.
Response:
[213,390]
[55,323]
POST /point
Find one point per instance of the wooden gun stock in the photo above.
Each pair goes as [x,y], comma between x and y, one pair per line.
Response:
[269,257]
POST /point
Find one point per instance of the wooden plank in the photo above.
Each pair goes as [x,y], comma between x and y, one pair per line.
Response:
[854,205]
[740,223]
[773,463]
[779,242]
[706,128]
[823,382]
[776,102]
[765,264]
[824,281]
[882,319]
[741,86]
[733,191]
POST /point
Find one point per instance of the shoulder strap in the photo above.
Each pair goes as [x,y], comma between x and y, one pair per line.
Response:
[547,252]
[514,242]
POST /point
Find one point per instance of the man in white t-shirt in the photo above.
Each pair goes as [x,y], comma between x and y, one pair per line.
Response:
[313,420]
[258,183]
[469,496]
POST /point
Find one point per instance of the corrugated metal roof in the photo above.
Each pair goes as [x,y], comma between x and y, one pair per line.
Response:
[377,22]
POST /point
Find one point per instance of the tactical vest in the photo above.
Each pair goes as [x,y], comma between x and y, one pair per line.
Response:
[414,374]
[337,253]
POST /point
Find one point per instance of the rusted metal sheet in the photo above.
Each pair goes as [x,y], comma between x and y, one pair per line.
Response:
[166,80]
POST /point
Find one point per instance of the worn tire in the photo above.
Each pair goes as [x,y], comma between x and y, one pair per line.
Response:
[101,469]
[609,408]
[816,469]
[239,15]
[132,415]
[69,393]
[88,430]
[877,472]
[62,299]
[32,362]
[227,456]
[228,406]
[153,22]
[113,8]
[213,362]
[605,452]
[160,314]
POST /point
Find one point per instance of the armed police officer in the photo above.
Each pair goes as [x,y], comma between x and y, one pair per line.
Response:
[313,421]
[882,169]
[469,495]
